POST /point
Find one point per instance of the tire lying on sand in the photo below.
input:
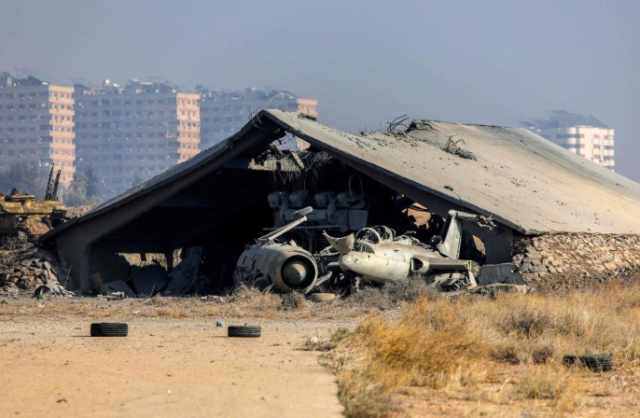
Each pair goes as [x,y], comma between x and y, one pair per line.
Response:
[244,331]
[596,362]
[109,330]
[322,297]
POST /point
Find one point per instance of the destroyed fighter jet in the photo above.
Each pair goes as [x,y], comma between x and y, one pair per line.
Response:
[376,255]
[285,266]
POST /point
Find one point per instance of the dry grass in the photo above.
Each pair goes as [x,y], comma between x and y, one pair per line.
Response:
[456,346]
[243,302]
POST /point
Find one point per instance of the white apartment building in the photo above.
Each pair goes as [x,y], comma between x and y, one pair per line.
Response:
[582,135]
[593,143]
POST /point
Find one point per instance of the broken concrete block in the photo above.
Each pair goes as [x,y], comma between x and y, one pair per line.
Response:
[46,276]
[10,289]
[38,255]
[119,286]
[51,289]
[149,279]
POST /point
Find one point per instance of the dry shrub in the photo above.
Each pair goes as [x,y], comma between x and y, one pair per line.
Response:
[550,382]
[251,299]
[174,312]
[410,291]
[392,294]
[369,298]
[424,347]
[293,301]
[546,382]
[604,319]
[451,344]
[315,344]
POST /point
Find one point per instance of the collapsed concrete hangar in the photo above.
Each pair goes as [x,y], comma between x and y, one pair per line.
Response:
[541,197]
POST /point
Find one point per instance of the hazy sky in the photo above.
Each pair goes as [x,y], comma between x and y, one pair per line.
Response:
[366,62]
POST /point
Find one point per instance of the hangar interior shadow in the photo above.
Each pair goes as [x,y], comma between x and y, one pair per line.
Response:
[228,209]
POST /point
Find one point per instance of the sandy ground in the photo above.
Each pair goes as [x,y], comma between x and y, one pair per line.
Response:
[165,368]
[611,394]
[177,363]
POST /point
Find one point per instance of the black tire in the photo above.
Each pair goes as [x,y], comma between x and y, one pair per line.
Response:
[596,362]
[244,331]
[109,330]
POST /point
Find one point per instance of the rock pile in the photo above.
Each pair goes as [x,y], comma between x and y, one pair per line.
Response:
[25,271]
[570,260]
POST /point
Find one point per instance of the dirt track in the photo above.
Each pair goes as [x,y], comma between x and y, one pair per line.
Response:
[165,368]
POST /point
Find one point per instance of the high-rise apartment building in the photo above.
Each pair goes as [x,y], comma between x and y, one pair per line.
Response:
[225,113]
[133,132]
[36,125]
[583,135]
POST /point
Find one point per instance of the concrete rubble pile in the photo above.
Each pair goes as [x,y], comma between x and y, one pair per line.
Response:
[27,270]
[570,260]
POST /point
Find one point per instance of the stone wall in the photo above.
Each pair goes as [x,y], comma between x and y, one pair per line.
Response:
[568,260]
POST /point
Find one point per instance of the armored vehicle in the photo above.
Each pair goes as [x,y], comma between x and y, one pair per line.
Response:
[22,213]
